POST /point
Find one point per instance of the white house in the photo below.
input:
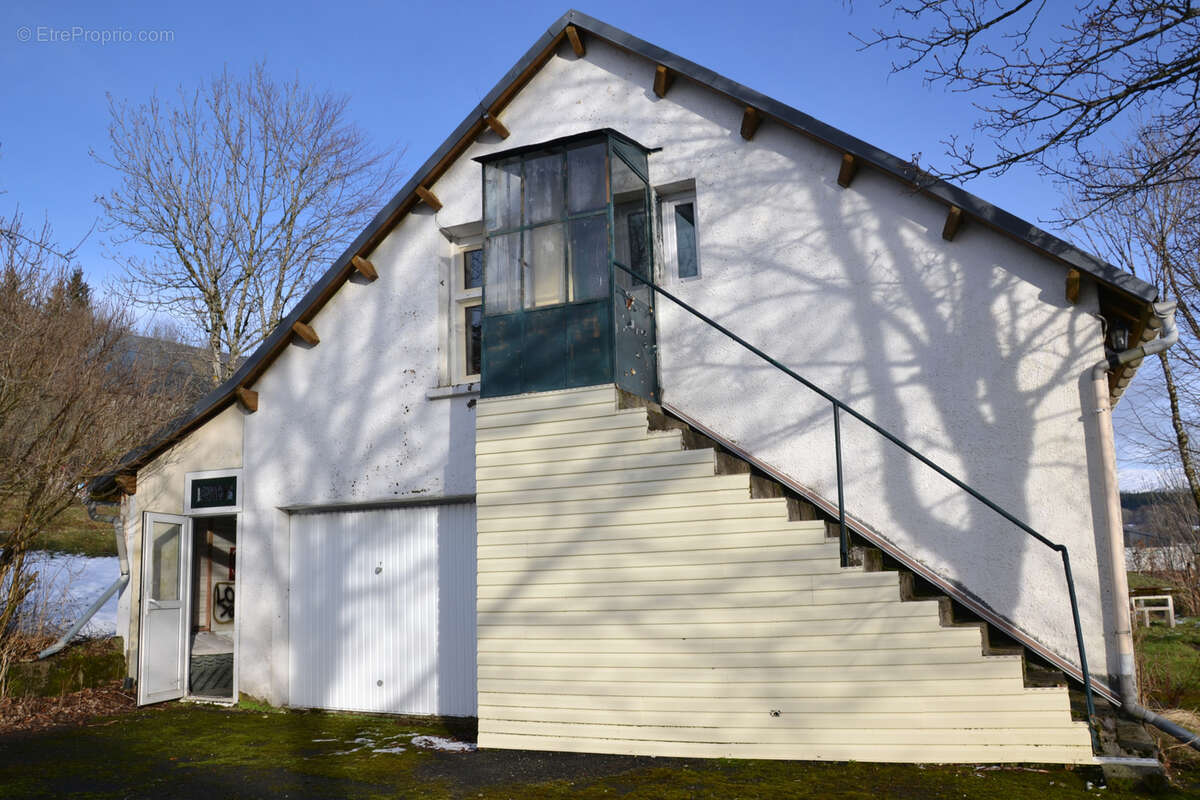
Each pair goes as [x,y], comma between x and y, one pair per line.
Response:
[482,470]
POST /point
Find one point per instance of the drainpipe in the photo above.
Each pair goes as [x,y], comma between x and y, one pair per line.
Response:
[117,521]
[1165,313]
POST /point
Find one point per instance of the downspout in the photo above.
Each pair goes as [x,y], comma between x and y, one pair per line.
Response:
[117,521]
[1165,312]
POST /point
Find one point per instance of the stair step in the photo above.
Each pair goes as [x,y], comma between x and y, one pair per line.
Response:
[589,395]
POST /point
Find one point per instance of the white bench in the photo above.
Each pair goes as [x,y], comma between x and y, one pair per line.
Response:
[1147,604]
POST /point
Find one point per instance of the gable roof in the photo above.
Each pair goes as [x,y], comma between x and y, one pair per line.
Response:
[1121,286]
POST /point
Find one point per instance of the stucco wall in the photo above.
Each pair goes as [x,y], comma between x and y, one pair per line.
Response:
[967,349]
[160,489]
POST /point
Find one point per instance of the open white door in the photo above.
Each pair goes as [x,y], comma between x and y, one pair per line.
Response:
[166,598]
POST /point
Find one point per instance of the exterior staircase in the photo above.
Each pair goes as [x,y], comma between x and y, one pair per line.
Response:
[642,592]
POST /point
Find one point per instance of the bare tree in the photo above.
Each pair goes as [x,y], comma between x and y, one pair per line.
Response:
[242,191]
[71,402]
[1052,88]
[1153,233]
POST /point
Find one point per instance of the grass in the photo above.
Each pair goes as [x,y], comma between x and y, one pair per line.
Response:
[83,665]
[189,751]
[74,533]
[1139,580]
[1170,663]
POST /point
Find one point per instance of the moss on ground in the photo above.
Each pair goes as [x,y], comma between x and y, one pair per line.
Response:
[189,751]
[82,665]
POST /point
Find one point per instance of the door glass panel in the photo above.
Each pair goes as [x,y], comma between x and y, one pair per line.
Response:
[166,539]
[543,189]
[502,284]
[585,179]
[685,240]
[544,257]
[589,258]
[502,195]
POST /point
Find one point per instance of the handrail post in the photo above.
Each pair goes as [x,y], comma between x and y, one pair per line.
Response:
[844,545]
[1083,666]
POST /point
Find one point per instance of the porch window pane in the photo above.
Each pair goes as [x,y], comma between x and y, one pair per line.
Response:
[544,265]
[589,258]
[632,238]
[543,189]
[503,195]
[585,179]
[625,182]
[502,284]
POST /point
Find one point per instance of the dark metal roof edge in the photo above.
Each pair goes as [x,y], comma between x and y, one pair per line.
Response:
[880,159]
[216,400]
[561,141]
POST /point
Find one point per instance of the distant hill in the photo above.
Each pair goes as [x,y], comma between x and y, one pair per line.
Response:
[1158,518]
[180,368]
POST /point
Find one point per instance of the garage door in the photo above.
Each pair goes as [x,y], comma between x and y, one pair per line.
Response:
[382,610]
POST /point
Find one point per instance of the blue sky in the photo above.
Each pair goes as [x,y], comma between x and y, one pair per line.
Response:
[414,70]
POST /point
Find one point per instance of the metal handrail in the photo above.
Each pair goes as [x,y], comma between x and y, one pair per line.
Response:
[838,407]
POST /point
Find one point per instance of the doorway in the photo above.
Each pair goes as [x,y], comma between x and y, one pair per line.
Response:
[212,642]
[187,640]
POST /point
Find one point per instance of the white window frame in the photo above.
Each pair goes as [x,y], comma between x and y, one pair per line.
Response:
[215,510]
[462,298]
[666,208]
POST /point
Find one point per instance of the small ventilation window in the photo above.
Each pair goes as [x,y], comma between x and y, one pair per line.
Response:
[680,246]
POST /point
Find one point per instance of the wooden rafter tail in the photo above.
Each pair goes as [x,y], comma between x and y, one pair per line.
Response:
[364,268]
[497,127]
[306,333]
[576,41]
[751,119]
[847,171]
[663,78]
[1074,280]
[954,221]
[429,198]
[247,398]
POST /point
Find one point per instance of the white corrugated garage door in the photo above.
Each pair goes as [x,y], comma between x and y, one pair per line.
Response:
[382,610]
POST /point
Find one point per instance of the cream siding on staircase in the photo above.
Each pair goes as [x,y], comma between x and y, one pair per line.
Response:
[630,600]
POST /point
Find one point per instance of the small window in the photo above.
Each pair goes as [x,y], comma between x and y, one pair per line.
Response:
[213,492]
[473,325]
[472,268]
[680,245]
[466,314]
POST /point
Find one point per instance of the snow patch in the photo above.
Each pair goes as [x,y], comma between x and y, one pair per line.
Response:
[445,745]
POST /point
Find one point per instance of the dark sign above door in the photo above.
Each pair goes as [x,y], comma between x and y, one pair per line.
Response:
[214,492]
